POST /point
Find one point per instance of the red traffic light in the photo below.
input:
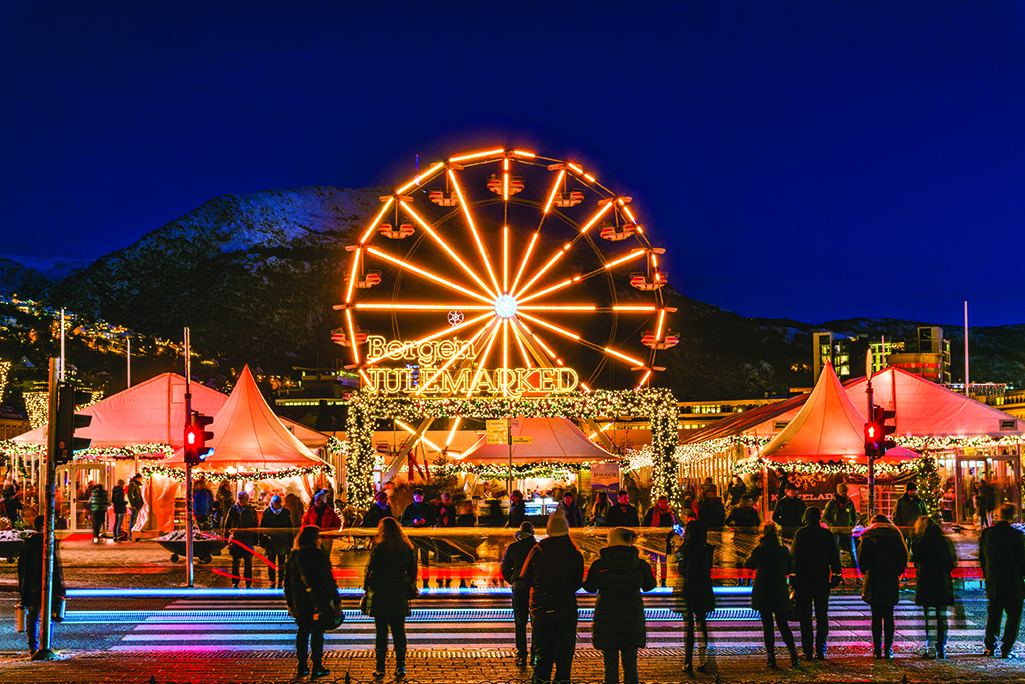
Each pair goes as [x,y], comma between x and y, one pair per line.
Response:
[195,438]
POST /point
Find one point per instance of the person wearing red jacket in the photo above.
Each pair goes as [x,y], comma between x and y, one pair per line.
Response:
[324,517]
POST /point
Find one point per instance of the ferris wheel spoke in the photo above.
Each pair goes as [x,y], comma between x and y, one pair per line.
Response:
[352,336]
[434,336]
[426,274]
[483,359]
[580,340]
[437,238]
[424,307]
[376,221]
[526,258]
[518,336]
[422,178]
[473,228]
[473,340]
[352,274]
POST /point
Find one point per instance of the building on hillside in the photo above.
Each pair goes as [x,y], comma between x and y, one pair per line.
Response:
[927,355]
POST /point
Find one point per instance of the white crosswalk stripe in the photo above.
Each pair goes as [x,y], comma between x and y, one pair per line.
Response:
[850,625]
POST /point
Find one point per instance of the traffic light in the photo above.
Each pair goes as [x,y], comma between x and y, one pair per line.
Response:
[881,416]
[196,437]
[68,421]
[873,438]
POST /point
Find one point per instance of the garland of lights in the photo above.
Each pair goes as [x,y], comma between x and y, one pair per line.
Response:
[497,471]
[5,369]
[37,405]
[756,465]
[239,476]
[658,404]
[33,451]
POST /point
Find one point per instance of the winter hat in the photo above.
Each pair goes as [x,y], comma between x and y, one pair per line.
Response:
[911,487]
[621,536]
[558,526]
[880,518]
[812,515]
[841,489]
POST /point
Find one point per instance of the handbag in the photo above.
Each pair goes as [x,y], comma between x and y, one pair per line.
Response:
[364,604]
[331,616]
[60,605]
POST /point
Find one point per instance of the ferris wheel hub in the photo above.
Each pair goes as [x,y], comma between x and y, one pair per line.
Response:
[505,306]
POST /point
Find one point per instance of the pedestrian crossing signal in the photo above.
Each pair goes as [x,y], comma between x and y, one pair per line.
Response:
[196,437]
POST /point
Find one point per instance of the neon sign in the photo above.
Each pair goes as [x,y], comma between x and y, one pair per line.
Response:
[444,380]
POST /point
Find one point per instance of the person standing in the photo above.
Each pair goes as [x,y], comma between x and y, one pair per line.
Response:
[883,558]
[1002,558]
[744,514]
[30,584]
[98,503]
[378,511]
[135,501]
[120,503]
[841,512]
[390,583]
[770,595]
[934,557]
[695,580]
[323,515]
[569,508]
[909,507]
[710,509]
[517,509]
[789,511]
[420,515]
[553,571]
[242,529]
[309,588]
[623,514]
[618,630]
[816,570]
[512,563]
[987,502]
[276,534]
[736,490]
[661,515]
[202,502]
[12,505]
[445,516]
[600,510]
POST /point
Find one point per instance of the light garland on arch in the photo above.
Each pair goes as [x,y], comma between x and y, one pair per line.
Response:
[33,451]
[756,465]
[920,444]
[37,405]
[5,370]
[658,404]
[240,476]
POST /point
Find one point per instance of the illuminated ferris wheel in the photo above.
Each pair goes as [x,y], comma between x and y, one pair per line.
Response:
[527,261]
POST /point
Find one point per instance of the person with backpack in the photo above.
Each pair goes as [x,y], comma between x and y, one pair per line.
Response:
[120,504]
[816,571]
[98,503]
[512,563]
[883,558]
[309,588]
[618,630]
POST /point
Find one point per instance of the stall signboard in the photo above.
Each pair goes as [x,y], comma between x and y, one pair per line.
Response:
[523,439]
[432,372]
[498,431]
[605,477]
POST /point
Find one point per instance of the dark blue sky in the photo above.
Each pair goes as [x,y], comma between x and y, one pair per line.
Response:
[811,160]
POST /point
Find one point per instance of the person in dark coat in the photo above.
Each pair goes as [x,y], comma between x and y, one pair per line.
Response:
[770,595]
[378,511]
[226,499]
[12,504]
[242,527]
[276,536]
[789,511]
[619,576]
[418,515]
[512,562]
[202,502]
[120,504]
[909,507]
[1002,558]
[841,512]
[883,558]
[661,515]
[711,510]
[98,503]
[445,516]
[696,598]
[309,588]
[745,514]
[736,490]
[30,580]
[934,557]
[816,570]
[517,509]
[623,514]
[569,508]
[135,501]
[553,571]
[390,583]
[986,502]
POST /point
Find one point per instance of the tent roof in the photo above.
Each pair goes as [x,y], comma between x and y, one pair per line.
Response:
[246,432]
[828,427]
[555,439]
[150,412]
[925,409]
[153,412]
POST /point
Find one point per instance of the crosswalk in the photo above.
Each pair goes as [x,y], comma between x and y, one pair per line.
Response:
[264,625]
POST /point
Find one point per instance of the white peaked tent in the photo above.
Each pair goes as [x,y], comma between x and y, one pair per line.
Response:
[554,439]
[248,434]
[827,428]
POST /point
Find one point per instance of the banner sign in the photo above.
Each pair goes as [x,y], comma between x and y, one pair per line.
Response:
[605,477]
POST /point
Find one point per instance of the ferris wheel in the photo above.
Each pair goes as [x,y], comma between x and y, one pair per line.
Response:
[529,259]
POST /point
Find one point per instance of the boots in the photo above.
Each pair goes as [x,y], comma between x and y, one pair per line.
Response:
[400,663]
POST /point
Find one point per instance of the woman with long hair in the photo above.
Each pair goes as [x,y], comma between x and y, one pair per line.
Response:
[934,557]
[308,567]
[770,595]
[390,583]
[695,589]
[883,558]
[600,509]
